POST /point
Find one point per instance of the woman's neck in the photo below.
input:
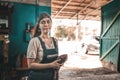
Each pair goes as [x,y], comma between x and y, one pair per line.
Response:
[45,36]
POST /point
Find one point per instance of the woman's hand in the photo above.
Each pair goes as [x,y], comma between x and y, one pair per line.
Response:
[55,64]
[63,58]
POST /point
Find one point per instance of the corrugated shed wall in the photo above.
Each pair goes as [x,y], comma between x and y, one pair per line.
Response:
[22,14]
[110,33]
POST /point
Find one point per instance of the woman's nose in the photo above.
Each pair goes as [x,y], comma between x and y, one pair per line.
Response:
[46,23]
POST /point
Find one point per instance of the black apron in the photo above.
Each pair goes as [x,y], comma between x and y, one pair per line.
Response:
[49,55]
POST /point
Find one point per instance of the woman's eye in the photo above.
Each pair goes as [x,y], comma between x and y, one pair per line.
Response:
[48,21]
[43,22]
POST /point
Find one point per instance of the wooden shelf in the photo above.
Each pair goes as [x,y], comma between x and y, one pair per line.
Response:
[4,31]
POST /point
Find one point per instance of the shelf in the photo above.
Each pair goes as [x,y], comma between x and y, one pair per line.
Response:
[4,31]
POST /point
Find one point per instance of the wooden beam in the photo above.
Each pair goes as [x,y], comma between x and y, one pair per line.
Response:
[83,8]
[89,14]
[62,8]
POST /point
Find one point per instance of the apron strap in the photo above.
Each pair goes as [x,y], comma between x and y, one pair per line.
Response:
[42,43]
[54,42]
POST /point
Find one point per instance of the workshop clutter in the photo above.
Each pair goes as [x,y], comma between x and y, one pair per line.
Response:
[21,61]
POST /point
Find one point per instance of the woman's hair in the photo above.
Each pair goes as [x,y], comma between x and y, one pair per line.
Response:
[41,16]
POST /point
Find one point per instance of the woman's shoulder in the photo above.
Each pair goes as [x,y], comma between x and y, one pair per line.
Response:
[34,39]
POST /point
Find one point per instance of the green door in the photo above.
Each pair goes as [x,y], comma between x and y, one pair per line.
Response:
[110,35]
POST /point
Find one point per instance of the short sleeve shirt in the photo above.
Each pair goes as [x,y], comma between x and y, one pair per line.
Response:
[35,49]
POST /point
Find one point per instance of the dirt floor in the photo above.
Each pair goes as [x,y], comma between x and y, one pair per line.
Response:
[86,67]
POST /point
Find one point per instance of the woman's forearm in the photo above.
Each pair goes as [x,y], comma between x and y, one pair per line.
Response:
[36,65]
[40,66]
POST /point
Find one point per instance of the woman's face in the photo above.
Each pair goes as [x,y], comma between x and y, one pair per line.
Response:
[45,25]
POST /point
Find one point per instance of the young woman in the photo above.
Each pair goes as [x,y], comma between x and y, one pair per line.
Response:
[42,53]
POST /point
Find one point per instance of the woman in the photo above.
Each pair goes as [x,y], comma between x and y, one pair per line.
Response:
[42,53]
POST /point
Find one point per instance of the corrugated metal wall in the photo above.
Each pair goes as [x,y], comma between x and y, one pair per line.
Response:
[22,14]
[110,33]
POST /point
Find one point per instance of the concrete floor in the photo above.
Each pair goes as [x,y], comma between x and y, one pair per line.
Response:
[85,67]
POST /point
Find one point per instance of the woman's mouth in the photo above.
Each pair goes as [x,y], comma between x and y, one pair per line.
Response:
[46,29]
